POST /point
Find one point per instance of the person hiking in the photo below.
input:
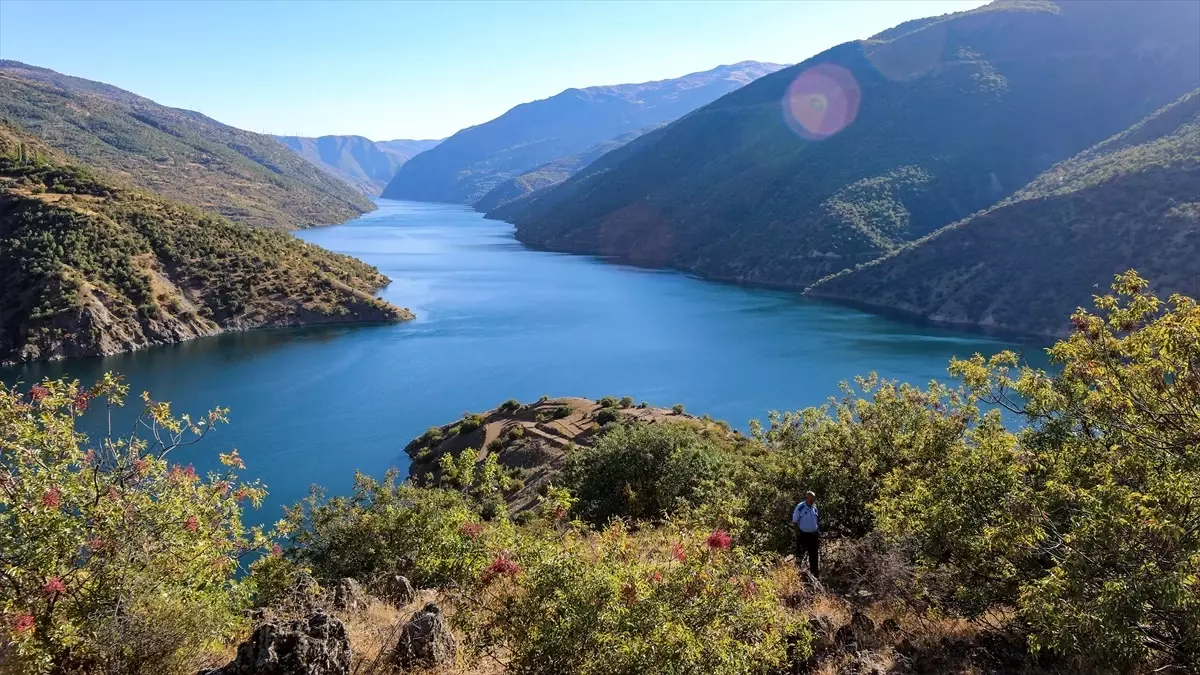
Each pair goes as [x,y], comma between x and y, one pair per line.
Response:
[804,520]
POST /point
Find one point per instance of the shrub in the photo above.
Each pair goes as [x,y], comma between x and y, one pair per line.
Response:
[384,527]
[510,405]
[607,402]
[626,402]
[607,416]
[677,408]
[431,437]
[114,560]
[645,471]
[665,602]
[470,422]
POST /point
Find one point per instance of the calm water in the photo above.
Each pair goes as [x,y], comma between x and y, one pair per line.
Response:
[497,321]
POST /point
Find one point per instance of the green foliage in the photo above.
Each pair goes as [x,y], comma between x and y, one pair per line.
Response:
[646,471]
[511,405]
[677,409]
[607,416]
[384,528]
[1094,512]
[671,601]
[626,402]
[607,402]
[111,558]
[470,422]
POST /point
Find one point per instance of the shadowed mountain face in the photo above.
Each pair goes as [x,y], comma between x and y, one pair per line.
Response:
[466,166]
[364,164]
[548,175]
[1132,201]
[181,154]
[872,144]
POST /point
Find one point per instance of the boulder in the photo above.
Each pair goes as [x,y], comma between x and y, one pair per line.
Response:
[426,640]
[348,595]
[397,589]
[857,634]
[318,645]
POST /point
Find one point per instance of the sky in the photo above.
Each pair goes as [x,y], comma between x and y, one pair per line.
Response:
[414,69]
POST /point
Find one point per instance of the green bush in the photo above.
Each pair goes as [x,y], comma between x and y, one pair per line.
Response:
[510,405]
[470,422]
[665,602]
[626,402]
[384,527]
[607,402]
[646,471]
[113,559]
[1086,521]
[677,408]
[607,416]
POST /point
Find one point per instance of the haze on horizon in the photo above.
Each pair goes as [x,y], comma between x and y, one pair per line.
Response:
[415,70]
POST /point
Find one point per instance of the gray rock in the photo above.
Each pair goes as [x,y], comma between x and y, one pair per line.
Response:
[857,634]
[348,595]
[426,640]
[316,646]
[397,589]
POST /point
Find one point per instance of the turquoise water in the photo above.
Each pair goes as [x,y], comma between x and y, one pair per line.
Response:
[498,321]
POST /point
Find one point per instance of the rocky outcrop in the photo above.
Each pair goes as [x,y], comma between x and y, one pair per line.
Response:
[397,589]
[426,640]
[318,645]
[348,595]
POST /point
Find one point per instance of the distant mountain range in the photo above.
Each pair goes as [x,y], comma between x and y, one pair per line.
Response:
[181,154]
[365,164]
[872,145]
[466,166]
[551,173]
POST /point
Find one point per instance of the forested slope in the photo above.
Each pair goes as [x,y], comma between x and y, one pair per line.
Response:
[873,144]
[246,177]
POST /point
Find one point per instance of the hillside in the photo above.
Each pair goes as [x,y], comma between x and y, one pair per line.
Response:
[246,177]
[1026,263]
[466,166]
[89,267]
[549,174]
[885,141]
[364,164]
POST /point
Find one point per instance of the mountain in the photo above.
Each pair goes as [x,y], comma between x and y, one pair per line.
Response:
[549,174]
[365,164]
[89,267]
[884,141]
[464,167]
[1132,201]
[181,154]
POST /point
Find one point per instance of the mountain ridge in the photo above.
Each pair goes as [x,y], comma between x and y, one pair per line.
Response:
[358,161]
[953,116]
[182,154]
[1130,201]
[473,161]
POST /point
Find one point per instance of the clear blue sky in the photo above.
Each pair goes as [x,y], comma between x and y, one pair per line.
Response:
[414,70]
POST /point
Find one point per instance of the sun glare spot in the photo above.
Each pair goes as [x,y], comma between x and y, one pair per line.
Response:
[821,101]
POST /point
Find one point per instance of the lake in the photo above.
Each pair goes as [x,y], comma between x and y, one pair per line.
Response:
[497,321]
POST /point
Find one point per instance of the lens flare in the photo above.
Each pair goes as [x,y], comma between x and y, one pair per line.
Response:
[821,101]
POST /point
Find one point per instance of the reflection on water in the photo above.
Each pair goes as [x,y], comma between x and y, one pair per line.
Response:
[497,321]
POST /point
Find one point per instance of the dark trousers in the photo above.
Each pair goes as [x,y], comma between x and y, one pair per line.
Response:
[808,544]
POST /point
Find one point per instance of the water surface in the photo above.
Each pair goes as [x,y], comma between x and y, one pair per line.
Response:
[498,321]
